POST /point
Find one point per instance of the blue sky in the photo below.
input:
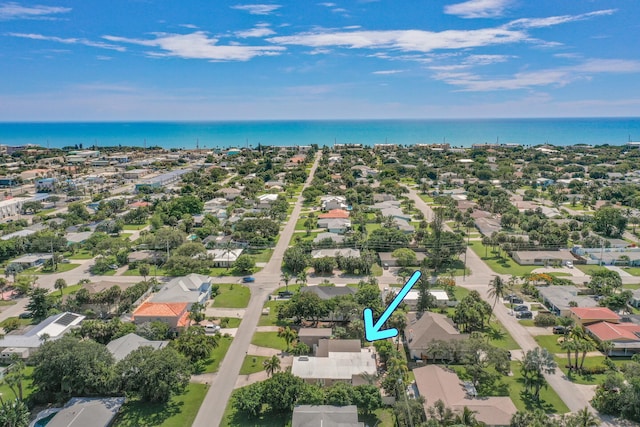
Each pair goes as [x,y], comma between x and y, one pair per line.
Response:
[341,59]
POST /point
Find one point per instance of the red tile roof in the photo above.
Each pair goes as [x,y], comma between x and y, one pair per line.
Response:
[161,309]
[335,213]
[606,331]
[602,313]
[140,204]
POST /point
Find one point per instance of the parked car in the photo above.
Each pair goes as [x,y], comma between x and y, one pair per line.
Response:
[285,294]
[25,315]
[248,279]
[524,315]
[514,299]
[65,261]
[559,330]
[569,264]
[214,328]
[520,308]
[113,266]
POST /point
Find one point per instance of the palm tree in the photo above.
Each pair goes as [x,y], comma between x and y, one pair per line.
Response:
[607,347]
[569,346]
[301,278]
[584,418]
[60,284]
[497,290]
[271,365]
[286,277]
[467,418]
[227,249]
[288,335]
[3,284]
[398,320]
[586,345]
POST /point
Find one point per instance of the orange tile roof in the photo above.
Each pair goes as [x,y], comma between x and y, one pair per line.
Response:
[335,213]
[161,309]
[139,204]
[602,313]
[606,331]
[184,320]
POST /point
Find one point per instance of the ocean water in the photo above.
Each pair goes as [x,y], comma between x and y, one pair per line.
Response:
[464,133]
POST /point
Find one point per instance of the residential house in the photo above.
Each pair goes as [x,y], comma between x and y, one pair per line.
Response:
[412,297]
[542,257]
[587,315]
[77,237]
[332,253]
[121,347]
[312,336]
[147,256]
[404,226]
[435,383]
[421,331]
[326,346]
[334,214]
[175,314]
[223,257]
[334,237]
[32,260]
[390,261]
[266,200]
[395,213]
[87,411]
[488,225]
[624,336]
[353,368]
[53,327]
[559,299]
[230,193]
[635,298]
[188,289]
[337,226]
[329,203]
[325,416]
[329,292]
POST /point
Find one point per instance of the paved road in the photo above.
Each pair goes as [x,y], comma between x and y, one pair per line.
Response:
[267,280]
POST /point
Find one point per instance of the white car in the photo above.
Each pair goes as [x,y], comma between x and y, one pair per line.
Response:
[569,264]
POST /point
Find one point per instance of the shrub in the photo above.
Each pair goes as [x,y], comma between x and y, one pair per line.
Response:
[544,319]
[593,370]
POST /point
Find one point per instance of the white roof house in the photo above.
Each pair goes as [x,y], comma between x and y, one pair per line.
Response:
[224,258]
[192,288]
[345,252]
[336,367]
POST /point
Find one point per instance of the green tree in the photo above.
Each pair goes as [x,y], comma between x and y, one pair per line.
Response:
[244,264]
[405,257]
[398,320]
[248,400]
[301,278]
[288,335]
[583,418]
[195,344]
[39,303]
[609,221]
[535,364]
[339,394]
[153,375]
[60,284]
[281,391]
[14,413]
[367,398]
[272,365]
[196,312]
[498,289]
[69,367]
[144,270]
[295,259]
[286,278]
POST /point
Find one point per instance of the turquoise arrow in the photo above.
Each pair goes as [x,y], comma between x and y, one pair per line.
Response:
[372,331]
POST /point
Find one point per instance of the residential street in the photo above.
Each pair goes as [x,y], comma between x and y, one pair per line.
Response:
[267,281]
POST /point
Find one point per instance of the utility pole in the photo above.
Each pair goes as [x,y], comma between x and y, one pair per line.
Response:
[53,257]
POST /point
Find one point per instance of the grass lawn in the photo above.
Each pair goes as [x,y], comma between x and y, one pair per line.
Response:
[426,199]
[178,412]
[232,322]
[231,418]
[213,362]
[252,364]
[22,322]
[498,264]
[589,269]
[221,272]
[61,268]
[292,288]
[109,273]
[634,271]
[376,270]
[4,303]
[68,290]
[560,274]
[589,379]
[263,255]
[81,254]
[550,402]
[499,337]
[134,227]
[527,322]
[232,295]
[300,223]
[6,392]
[272,318]
[550,342]
[371,227]
[125,235]
[268,339]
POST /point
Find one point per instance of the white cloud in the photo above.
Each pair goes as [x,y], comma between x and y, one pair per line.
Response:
[478,8]
[556,20]
[260,30]
[258,9]
[387,72]
[327,4]
[71,40]
[557,77]
[199,46]
[486,59]
[406,40]
[13,10]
